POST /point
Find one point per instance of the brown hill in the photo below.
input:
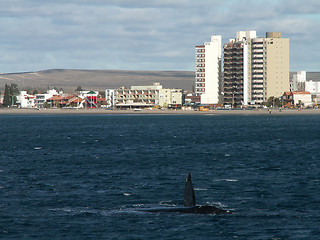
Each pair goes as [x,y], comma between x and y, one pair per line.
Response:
[69,80]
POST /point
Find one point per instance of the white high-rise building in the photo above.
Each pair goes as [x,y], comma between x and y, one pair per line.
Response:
[208,71]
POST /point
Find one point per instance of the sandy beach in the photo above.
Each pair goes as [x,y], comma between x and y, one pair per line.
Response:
[15,111]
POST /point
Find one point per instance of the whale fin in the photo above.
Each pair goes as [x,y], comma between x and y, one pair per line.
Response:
[189,197]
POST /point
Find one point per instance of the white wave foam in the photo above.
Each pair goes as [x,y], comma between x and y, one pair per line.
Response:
[201,189]
[231,180]
[74,211]
[167,203]
[226,180]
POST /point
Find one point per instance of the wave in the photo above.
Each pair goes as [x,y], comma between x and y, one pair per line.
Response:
[201,189]
[226,180]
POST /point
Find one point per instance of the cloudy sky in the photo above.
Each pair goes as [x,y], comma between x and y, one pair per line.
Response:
[145,34]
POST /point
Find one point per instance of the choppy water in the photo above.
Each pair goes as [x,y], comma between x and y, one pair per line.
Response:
[85,177]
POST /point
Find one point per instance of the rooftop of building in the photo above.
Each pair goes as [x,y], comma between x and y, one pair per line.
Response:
[301,92]
[315,76]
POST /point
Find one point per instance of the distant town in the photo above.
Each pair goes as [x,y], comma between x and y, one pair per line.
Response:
[255,75]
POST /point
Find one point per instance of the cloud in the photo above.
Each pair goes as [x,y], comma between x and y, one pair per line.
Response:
[151,35]
[298,7]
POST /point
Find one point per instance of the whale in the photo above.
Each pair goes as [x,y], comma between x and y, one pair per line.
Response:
[189,204]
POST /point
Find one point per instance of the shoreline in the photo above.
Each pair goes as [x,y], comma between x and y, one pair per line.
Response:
[20,111]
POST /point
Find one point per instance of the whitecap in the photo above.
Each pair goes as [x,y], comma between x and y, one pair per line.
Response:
[231,180]
[226,180]
[127,194]
[74,211]
[37,148]
[167,203]
[201,189]
[138,205]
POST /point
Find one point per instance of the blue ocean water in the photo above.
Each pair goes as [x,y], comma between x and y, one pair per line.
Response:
[86,177]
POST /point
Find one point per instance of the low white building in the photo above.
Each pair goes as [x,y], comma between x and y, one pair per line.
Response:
[25,100]
[302,97]
[144,96]
[314,88]
[110,98]
[170,97]
[41,98]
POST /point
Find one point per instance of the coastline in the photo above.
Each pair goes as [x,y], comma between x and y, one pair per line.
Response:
[20,111]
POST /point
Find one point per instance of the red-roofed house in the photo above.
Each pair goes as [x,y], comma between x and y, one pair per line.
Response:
[298,97]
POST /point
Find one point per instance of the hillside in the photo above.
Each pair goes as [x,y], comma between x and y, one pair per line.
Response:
[69,80]
[97,79]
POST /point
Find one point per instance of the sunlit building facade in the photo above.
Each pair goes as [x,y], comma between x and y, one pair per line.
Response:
[208,71]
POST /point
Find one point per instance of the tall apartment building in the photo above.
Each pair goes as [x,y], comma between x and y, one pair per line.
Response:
[237,69]
[208,71]
[255,68]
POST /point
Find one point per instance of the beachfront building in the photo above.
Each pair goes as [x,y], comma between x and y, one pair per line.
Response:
[274,67]
[256,68]
[298,98]
[208,71]
[170,98]
[144,97]
[90,98]
[25,100]
[314,88]
[41,98]
[237,69]
[110,99]
[66,101]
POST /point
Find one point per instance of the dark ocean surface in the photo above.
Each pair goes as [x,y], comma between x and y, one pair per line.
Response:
[87,177]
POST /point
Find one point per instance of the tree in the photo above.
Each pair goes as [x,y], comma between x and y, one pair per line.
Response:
[102,94]
[14,91]
[273,102]
[79,88]
[6,97]
[10,93]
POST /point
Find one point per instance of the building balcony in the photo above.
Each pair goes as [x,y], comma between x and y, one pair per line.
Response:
[257,82]
[257,51]
[257,94]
